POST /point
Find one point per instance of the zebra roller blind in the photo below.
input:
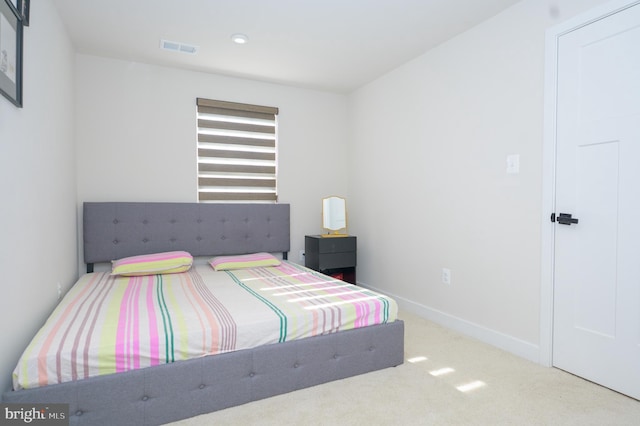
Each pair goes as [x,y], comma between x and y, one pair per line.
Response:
[237,156]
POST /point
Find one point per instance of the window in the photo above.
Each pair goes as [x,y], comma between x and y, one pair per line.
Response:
[236,152]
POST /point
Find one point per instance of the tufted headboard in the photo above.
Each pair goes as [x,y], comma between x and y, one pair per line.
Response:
[112,230]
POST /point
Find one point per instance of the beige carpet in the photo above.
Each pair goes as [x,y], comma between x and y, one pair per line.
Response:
[507,390]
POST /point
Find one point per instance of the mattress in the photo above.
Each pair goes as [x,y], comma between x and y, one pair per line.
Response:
[106,324]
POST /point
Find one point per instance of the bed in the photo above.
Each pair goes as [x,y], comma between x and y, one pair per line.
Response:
[172,391]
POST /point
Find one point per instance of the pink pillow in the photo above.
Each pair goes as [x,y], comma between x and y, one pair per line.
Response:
[254,260]
[151,264]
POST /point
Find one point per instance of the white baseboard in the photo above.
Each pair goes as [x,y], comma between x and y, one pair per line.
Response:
[500,340]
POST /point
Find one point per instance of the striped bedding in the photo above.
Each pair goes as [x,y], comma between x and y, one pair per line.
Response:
[109,324]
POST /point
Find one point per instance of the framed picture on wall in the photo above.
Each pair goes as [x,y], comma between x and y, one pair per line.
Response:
[10,53]
[21,8]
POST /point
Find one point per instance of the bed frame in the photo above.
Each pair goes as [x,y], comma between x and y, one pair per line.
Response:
[170,392]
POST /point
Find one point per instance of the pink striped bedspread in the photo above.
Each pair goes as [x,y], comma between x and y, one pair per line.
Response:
[107,324]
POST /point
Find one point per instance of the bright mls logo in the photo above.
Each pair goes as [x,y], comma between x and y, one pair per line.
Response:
[34,414]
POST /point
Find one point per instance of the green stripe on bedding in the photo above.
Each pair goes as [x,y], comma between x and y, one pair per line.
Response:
[166,321]
[274,308]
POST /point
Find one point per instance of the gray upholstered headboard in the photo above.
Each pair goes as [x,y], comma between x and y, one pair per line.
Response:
[113,230]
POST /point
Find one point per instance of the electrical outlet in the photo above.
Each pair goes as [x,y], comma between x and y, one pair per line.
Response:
[301,256]
[446,276]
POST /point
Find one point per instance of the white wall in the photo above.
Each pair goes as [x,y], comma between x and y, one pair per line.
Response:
[37,187]
[428,187]
[136,130]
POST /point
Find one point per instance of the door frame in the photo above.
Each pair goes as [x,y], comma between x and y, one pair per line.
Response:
[553,35]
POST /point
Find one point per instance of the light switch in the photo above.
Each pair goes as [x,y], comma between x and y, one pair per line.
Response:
[513,164]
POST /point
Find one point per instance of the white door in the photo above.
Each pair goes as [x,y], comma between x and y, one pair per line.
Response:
[596,324]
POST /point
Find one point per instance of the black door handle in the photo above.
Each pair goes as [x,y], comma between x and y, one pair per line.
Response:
[566,219]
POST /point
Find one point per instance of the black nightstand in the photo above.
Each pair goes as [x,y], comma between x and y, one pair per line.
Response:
[335,256]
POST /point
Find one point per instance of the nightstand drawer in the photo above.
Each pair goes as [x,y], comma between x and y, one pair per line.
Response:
[337,260]
[336,244]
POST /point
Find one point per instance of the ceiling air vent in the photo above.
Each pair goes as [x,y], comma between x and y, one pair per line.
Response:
[175,46]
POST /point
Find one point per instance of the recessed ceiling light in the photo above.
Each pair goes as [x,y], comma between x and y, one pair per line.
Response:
[239,38]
